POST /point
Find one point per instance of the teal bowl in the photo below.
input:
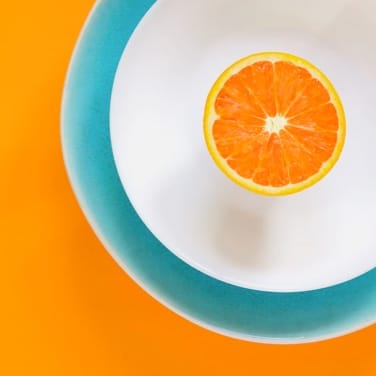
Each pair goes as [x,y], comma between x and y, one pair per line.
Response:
[224,308]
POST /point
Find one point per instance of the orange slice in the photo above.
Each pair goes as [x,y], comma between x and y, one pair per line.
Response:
[274,123]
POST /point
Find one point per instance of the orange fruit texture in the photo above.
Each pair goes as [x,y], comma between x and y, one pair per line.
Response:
[274,123]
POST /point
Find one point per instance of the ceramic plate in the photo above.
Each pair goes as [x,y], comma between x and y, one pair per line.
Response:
[224,308]
[314,239]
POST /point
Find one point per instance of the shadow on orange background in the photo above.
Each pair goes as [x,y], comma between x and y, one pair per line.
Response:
[67,308]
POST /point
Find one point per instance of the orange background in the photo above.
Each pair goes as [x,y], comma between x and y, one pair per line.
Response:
[66,307]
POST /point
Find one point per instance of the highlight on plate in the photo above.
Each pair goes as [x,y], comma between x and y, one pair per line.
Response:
[274,123]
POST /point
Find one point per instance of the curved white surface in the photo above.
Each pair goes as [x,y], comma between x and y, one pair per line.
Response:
[322,236]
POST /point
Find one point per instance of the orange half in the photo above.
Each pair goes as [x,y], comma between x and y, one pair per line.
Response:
[274,123]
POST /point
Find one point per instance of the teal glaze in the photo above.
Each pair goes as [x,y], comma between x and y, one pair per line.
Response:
[234,311]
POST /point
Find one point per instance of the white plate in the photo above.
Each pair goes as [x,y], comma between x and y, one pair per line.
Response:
[317,238]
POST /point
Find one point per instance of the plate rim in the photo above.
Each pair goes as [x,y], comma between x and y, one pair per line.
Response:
[80,199]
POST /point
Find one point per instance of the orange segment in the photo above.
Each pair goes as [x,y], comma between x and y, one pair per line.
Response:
[290,81]
[324,116]
[236,102]
[259,81]
[274,123]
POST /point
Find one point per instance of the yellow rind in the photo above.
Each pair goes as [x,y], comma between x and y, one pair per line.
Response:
[210,116]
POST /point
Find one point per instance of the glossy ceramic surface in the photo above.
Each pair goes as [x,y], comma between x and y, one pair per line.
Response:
[314,239]
[234,311]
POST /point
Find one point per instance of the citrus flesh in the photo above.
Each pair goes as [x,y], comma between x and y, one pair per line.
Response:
[274,123]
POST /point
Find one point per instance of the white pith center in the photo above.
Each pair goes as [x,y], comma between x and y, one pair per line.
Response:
[275,124]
